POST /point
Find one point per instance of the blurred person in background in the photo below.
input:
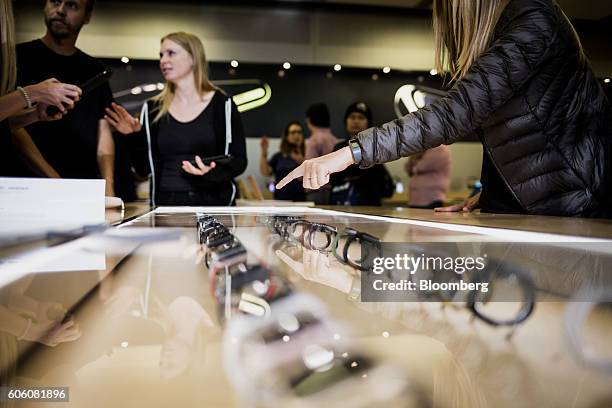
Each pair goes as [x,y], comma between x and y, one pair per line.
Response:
[429,173]
[290,156]
[320,142]
[355,186]
[191,119]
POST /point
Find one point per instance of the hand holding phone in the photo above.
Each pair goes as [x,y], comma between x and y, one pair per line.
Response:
[86,87]
[192,166]
[220,159]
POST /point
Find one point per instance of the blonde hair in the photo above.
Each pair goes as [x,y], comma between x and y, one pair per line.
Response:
[463,31]
[8,64]
[194,47]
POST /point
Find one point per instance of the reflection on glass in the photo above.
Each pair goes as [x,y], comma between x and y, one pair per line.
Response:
[184,345]
[587,327]
[356,249]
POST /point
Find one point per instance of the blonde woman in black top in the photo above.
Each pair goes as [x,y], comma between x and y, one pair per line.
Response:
[189,120]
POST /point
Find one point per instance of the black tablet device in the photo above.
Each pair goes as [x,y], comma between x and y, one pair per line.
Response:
[220,159]
[87,87]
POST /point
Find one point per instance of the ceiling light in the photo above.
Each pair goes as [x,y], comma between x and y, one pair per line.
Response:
[337,67]
[433,72]
[386,70]
[125,60]
[286,65]
[149,87]
[234,64]
[607,80]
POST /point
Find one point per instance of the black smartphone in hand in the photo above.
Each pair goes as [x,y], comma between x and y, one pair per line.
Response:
[86,87]
[220,159]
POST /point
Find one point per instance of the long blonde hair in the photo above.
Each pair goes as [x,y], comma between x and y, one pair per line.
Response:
[463,31]
[195,48]
[8,64]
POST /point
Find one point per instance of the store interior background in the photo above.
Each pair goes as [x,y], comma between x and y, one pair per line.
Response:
[361,35]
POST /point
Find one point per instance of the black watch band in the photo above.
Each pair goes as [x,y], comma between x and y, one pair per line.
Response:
[355,150]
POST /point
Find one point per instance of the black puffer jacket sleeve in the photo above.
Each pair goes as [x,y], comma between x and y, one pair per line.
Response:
[519,47]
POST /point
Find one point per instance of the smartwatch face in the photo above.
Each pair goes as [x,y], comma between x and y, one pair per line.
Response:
[289,347]
[313,381]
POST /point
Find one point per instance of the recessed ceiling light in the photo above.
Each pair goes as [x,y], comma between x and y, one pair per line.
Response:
[386,70]
[125,60]
[337,67]
[286,65]
[234,64]
[433,72]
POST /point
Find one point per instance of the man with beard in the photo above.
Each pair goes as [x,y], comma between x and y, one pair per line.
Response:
[80,145]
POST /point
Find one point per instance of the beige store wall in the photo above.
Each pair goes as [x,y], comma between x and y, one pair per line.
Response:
[265,35]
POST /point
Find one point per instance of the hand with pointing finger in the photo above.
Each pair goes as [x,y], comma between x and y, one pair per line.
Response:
[316,172]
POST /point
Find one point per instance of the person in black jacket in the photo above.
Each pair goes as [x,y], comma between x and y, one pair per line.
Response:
[189,120]
[524,86]
[355,186]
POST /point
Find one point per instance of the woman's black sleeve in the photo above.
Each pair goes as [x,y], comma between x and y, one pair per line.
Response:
[228,171]
[138,151]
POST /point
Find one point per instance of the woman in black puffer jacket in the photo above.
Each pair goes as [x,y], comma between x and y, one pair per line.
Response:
[524,86]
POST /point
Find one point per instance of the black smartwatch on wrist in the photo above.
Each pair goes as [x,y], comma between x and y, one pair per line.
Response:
[355,150]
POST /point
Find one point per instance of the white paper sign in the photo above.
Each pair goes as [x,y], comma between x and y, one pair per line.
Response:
[37,204]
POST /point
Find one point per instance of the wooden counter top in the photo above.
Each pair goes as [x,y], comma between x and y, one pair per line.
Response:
[584,227]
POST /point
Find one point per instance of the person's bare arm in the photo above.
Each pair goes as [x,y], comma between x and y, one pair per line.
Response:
[264,167]
[11,104]
[29,116]
[49,92]
[31,155]
[23,119]
[106,156]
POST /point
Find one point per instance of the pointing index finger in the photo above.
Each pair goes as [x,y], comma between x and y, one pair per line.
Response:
[298,172]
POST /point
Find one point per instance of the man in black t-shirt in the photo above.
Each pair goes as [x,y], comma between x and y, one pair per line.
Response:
[80,145]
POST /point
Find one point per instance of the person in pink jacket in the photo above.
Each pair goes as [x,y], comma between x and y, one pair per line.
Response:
[321,140]
[429,177]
